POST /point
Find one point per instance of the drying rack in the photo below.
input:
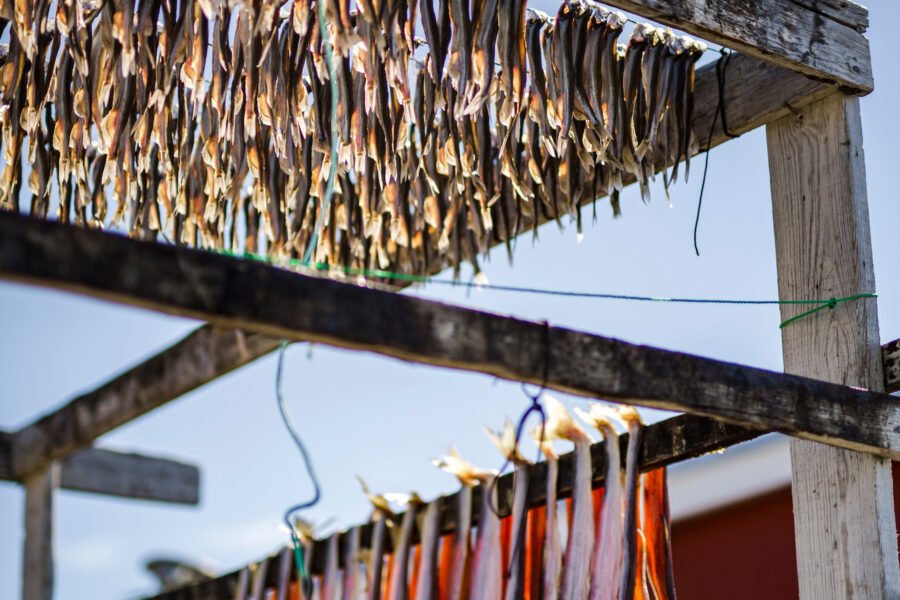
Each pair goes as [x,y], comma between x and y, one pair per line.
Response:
[798,70]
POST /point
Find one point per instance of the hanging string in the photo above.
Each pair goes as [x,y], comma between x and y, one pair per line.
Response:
[299,559]
[380,274]
[721,66]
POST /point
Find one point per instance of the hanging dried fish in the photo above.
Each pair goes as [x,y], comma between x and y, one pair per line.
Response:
[514,571]
[209,123]
[580,543]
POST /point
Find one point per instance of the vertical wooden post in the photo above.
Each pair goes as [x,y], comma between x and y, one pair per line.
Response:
[846,537]
[37,563]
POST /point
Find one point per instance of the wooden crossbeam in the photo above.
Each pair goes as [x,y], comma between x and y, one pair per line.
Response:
[254,296]
[822,39]
[202,356]
[755,93]
[113,473]
[664,443]
[130,475]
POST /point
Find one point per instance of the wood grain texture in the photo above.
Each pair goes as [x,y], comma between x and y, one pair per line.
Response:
[253,296]
[755,93]
[129,475]
[783,32]
[664,443]
[37,558]
[845,12]
[202,356]
[890,353]
[846,537]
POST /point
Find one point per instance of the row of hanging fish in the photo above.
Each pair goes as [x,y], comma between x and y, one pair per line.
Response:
[210,123]
[616,538]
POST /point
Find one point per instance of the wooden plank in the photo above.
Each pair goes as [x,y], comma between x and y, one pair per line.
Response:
[846,536]
[891,358]
[664,443]
[253,296]
[123,474]
[755,93]
[202,356]
[129,475]
[783,32]
[37,559]
[843,11]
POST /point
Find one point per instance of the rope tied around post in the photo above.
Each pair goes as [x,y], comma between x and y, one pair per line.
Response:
[830,303]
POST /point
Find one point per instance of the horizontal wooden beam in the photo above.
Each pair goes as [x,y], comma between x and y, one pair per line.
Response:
[755,93]
[664,443]
[113,473]
[129,475]
[812,37]
[890,353]
[254,296]
[202,356]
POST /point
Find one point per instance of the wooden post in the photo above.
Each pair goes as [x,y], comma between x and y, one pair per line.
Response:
[37,563]
[846,537]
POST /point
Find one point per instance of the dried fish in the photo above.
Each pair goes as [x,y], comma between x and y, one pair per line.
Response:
[606,570]
[580,544]
[208,123]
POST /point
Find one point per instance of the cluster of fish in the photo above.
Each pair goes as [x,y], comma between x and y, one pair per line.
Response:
[617,538]
[210,123]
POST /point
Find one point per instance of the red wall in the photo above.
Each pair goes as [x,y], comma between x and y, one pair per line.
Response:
[742,551]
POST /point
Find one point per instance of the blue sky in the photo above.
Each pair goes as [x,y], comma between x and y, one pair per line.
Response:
[385,419]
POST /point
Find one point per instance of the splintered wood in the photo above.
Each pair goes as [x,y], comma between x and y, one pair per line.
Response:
[210,125]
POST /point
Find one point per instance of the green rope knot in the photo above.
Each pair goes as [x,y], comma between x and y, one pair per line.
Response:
[830,303]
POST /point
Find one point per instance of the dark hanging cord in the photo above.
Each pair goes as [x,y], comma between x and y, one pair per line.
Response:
[721,66]
[302,571]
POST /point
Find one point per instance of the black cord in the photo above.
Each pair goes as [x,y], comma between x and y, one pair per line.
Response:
[721,66]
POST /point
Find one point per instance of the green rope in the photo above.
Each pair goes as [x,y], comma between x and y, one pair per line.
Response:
[830,303]
[378,273]
[302,572]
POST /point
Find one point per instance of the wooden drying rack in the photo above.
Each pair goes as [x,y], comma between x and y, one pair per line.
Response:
[800,66]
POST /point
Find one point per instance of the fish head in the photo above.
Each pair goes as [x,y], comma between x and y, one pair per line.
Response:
[560,424]
[467,473]
[506,442]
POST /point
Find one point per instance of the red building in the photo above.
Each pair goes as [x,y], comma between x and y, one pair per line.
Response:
[733,525]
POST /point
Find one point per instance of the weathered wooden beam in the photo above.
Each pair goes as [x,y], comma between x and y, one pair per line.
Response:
[37,557]
[845,530]
[202,356]
[129,475]
[664,443]
[843,11]
[890,353]
[806,36]
[254,296]
[113,473]
[755,93]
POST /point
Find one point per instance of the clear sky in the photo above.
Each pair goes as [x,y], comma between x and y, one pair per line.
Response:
[384,419]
